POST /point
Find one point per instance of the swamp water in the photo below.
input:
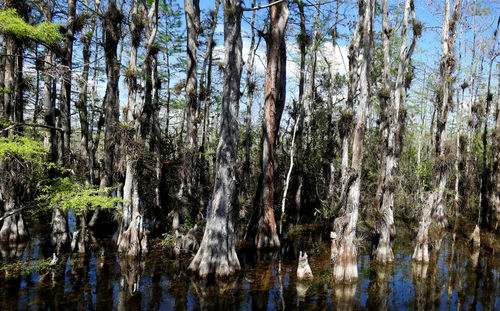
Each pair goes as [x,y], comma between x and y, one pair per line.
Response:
[456,278]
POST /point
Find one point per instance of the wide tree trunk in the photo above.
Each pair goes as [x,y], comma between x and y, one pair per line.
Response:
[217,253]
[275,89]
[344,254]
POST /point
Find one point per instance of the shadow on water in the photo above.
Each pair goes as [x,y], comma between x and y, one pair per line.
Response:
[456,278]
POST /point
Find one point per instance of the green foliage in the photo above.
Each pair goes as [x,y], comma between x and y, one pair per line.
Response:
[12,23]
[66,193]
[24,268]
[168,240]
[21,147]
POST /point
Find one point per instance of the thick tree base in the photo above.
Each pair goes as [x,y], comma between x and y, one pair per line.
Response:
[267,235]
[345,268]
[383,253]
[59,237]
[13,228]
[421,252]
[133,241]
[210,262]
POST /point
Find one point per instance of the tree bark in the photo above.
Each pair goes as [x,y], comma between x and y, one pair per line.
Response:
[66,82]
[217,253]
[81,103]
[344,254]
[250,89]
[132,238]
[111,22]
[299,108]
[385,223]
[275,89]
[190,156]
[436,203]
[495,171]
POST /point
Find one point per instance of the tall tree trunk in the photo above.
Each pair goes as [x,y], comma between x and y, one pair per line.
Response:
[435,205]
[81,103]
[385,223]
[11,192]
[132,238]
[385,96]
[458,156]
[275,89]
[65,103]
[344,254]
[347,116]
[250,89]
[470,121]
[487,212]
[299,108]
[111,22]
[190,156]
[495,170]
[205,94]
[217,252]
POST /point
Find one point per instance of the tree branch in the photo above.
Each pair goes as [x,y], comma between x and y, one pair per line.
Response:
[263,6]
[29,124]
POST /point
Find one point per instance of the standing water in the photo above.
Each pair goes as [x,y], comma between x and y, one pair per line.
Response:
[456,278]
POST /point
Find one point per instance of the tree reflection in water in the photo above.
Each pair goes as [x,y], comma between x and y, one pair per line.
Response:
[457,277]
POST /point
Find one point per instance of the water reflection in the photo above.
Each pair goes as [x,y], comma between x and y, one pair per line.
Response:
[457,277]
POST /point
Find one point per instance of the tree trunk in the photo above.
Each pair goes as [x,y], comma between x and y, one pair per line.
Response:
[111,21]
[275,89]
[495,170]
[132,238]
[487,212]
[217,253]
[436,202]
[250,89]
[190,156]
[447,66]
[299,108]
[344,254]
[66,83]
[81,103]
[59,237]
[385,223]
[347,116]
[469,118]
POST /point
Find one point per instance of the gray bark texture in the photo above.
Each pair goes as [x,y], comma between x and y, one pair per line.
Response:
[192,113]
[397,104]
[344,254]
[435,205]
[111,22]
[132,238]
[217,253]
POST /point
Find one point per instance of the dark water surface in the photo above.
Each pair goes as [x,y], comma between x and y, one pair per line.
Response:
[456,278]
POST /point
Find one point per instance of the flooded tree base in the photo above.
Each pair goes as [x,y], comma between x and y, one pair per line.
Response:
[99,279]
